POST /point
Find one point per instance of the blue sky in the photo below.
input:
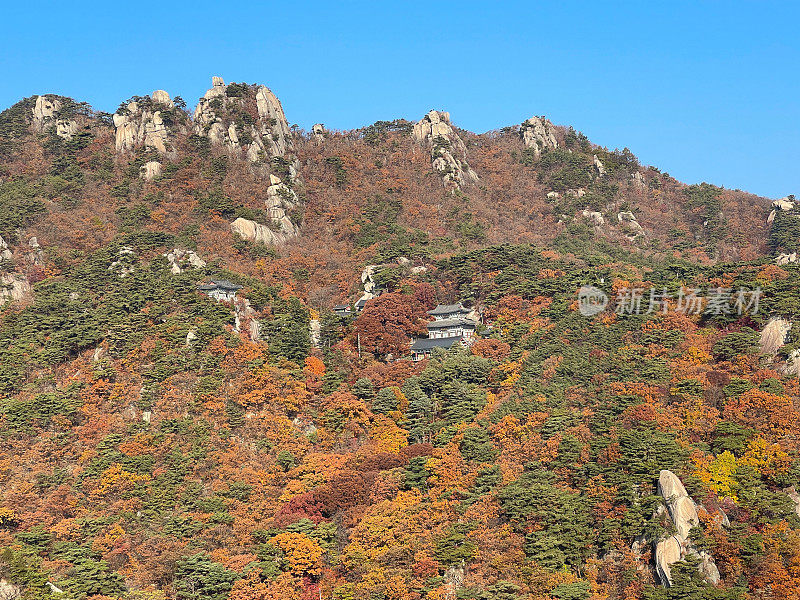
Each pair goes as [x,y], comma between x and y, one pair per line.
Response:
[707,91]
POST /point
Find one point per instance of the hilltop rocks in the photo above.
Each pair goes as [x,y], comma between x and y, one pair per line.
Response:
[318,133]
[141,123]
[773,336]
[243,118]
[682,511]
[538,133]
[179,260]
[448,153]
[150,170]
[783,204]
[45,118]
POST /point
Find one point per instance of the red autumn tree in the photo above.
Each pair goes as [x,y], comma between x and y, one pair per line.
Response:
[388,321]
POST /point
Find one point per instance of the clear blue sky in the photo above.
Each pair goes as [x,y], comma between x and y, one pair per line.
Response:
[703,90]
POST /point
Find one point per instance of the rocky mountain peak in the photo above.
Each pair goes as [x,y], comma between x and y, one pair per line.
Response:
[448,152]
[46,117]
[248,119]
[140,122]
[538,133]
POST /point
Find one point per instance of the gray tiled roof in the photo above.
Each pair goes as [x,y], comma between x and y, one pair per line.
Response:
[446,309]
[445,323]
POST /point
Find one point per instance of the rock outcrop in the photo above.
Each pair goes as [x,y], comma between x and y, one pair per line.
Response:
[46,117]
[628,221]
[140,123]
[682,512]
[637,179]
[599,166]
[785,259]
[179,260]
[256,232]
[318,133]
[248,119]
[280,200]
[773,336]
[595,217]
[448,152]
[124,263]
[538,133]
[5,251]
[35,255]
[150,170]
[9,591]
[783,204]
[14,286]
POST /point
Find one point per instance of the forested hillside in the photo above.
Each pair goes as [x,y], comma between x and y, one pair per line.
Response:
[159,442]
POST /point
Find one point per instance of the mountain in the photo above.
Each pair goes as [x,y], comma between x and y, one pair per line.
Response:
[220,377]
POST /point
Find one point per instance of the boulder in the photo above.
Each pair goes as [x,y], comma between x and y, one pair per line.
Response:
[315,332]
[150,170]
[124,263]
[795,497]
[256,232]
[785,259]
[793,363]
[35,254]
[538,133]
[553,195]
[773,336]
[9,591]
[162,97]
[771,217]
[783,204]
[637,179]
[448,152]
[280,200]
